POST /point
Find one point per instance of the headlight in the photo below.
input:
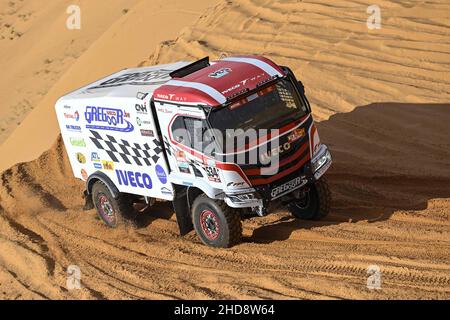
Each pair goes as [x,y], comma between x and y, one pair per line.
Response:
[242,198]
[321,160]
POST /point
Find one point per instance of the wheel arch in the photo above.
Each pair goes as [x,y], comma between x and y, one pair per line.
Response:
[100,176]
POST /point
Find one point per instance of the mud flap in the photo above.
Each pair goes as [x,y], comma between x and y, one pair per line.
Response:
[182,211]
[88,203]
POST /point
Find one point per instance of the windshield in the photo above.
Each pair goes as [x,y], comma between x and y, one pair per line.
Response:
[269,108]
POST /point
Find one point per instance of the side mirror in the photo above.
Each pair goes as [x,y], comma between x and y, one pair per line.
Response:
[301,87]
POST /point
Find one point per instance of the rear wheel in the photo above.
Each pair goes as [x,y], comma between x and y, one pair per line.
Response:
[314,203]
[216,224]
[112,212]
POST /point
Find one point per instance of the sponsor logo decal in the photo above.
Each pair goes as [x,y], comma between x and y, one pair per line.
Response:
[182,163]
[84,174]
[108,165]
[134,179]
[275,151]
[95,157]
[287,187]
[137,78]
[219,73]
[147,133]
[77,142]
[213,174]
[165,110]
[75,116]
[296,134]
[107,119]
[165,190]
[141,108]
[141,95]
[98,166]
[184,167]
[235,184]
[142,122]
[81,158]
[244,82]
[161,174]
[73,128]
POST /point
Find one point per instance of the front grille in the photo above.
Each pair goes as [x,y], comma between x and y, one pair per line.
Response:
[292,161]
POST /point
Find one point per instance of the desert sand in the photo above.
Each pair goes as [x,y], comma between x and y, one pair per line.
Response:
[382,102]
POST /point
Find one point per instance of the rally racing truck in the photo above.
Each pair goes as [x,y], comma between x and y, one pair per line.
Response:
[219,139]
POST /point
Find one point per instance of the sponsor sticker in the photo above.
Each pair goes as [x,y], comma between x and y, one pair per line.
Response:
[235,184]
[77,142]
[95,157]
[108,165]
[288,187]
[141,122]
[266,156]
[134,179]
[296,134]
[84,174]
[141,95]
[213,174]
[147,133]
[220,73]
[81,158]
[183,167]
[137,79]
[182,163]
[165,190]
[73,128]
[161,174]
[74,116]
[141,107]
[165,110]
[98,165]
[100,118]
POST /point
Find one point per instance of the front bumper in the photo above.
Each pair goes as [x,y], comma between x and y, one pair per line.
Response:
[262,195]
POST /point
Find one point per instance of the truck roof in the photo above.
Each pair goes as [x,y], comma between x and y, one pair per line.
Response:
[211,85]
[127,82]
[222,80]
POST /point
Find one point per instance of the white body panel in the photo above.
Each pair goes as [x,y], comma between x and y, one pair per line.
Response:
[108,126]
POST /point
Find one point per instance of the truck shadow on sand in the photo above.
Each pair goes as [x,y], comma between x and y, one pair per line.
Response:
[387,157]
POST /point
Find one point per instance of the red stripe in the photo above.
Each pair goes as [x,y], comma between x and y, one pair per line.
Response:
[311,138]
[233,167]
[256,182]
[268,136]
[293,157]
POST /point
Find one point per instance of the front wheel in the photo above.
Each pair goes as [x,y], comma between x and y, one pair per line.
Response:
[216,224]
[314,203]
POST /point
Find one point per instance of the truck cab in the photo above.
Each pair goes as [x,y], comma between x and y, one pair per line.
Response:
[241,131]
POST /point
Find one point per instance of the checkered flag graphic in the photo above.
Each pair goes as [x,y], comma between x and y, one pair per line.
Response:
[168,146]
[126,151]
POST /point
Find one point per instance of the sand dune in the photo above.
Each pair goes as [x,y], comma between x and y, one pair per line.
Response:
[128,39]
[382,99]
[37,48]
[383,214]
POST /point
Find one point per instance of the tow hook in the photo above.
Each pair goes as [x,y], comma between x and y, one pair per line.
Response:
[260,211]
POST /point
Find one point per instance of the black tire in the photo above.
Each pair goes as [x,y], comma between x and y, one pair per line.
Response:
[113,212]
[316,203]
[216,224]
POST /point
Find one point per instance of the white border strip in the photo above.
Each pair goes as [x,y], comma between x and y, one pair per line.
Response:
[258,63]
[220,98]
